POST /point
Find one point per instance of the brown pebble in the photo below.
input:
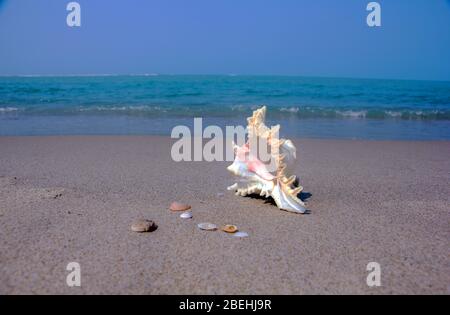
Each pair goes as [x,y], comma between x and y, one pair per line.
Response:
[229,228]
[141,226]
[177,206]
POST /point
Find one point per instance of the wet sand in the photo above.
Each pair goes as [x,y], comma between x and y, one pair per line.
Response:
[66,199]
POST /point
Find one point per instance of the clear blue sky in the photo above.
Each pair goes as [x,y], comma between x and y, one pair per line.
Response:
[285,37]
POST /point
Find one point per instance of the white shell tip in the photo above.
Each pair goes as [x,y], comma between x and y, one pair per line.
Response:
[186,215]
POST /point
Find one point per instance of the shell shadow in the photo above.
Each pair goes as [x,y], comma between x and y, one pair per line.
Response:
[153,228]
[304,196]
[266,200]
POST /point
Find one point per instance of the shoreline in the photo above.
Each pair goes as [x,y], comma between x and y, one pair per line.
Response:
[167,137]
[307,128]
[73,198]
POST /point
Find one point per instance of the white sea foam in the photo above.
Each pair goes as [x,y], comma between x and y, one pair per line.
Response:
[353,114]
[289,109]
[141,108]
[8,109]
[238,108]
[393,114]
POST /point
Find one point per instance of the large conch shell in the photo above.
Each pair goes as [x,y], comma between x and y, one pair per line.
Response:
[267,180]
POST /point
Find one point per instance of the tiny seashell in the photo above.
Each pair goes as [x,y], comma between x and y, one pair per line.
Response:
[229,228]
[207,226]
[142,226]
[177,206]
[240,234]
[186,215]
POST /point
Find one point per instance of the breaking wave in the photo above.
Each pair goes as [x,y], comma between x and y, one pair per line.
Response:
[200,110]
[152,95]
[8,109]
[373,113]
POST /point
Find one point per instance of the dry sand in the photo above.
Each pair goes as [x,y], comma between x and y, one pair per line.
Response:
[65,199]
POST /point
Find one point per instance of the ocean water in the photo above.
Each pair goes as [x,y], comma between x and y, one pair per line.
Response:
[154,104]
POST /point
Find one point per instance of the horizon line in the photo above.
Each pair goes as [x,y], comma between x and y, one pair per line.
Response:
[212,75]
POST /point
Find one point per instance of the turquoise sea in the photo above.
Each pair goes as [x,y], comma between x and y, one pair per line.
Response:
[154,104]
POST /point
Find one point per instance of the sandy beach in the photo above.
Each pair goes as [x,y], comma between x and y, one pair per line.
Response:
[73,199]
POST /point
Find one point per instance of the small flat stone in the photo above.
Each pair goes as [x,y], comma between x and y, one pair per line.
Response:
[142,226]
[207,226]
[178,206]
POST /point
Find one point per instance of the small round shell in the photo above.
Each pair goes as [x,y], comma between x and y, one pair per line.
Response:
[177,206]
[229,228]
[207,226]
[186,215]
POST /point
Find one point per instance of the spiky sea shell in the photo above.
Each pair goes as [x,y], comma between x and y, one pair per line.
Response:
[256,177]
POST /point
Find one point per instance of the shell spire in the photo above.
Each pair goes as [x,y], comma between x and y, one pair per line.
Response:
[267,178]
